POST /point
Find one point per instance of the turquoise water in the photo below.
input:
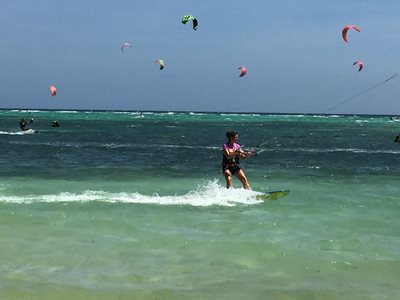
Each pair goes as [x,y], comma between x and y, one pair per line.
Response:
[129,205]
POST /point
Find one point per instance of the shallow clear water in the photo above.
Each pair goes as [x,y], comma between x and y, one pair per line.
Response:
[115,205]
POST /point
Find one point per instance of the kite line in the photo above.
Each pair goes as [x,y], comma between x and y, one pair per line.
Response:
[362,93]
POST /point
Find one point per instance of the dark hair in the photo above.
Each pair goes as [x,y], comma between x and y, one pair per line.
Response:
[230,134]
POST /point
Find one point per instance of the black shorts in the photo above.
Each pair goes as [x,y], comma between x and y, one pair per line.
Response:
[233,169]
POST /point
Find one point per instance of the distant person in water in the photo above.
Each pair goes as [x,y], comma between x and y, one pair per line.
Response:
[232,153]
[22,124]
[55,124]
[397,139]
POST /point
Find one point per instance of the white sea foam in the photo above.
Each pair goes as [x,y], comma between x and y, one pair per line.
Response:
[29,131]
[209,194]
[67,111]
[26,110]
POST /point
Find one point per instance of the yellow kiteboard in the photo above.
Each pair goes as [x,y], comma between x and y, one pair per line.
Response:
[273,195]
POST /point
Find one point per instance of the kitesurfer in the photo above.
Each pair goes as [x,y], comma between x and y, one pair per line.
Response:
[232,153]
[397,139]
[55,124]
[22,124]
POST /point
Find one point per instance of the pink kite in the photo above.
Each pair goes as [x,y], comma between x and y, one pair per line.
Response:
[346,28]
[360,64]
[243,71]
[53,90]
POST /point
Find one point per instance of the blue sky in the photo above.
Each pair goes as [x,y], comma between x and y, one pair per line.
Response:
[296,59]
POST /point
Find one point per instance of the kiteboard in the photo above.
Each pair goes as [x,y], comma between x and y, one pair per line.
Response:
[28,131]
[273,195]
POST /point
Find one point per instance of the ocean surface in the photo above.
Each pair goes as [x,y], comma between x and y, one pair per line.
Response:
[133,205]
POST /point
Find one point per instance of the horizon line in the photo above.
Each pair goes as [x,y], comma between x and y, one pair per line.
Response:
[198,111]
